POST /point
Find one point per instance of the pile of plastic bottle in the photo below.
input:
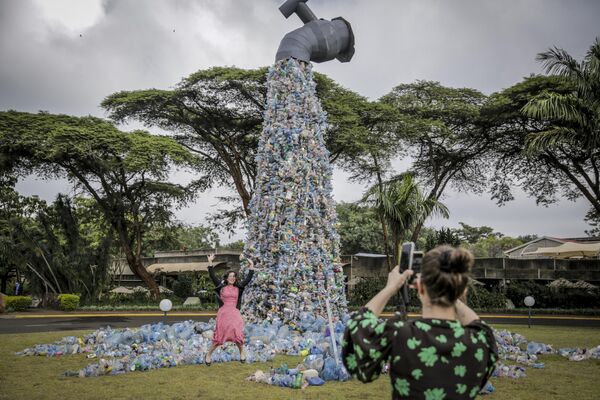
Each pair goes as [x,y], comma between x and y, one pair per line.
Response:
[291,228]
[117,351]
[577,354]
[159,346]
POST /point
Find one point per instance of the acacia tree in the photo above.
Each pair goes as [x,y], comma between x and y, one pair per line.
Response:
[549,132]
[125,173]
[448,144]
[217,114]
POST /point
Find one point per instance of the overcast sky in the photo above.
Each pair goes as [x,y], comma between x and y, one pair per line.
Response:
[65,56]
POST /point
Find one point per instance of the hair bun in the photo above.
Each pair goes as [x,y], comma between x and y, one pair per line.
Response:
[461,260]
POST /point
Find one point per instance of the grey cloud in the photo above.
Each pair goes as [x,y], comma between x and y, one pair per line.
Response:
[487,45]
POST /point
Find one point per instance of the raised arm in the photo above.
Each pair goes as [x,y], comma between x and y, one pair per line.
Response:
[211,270]
[249,275]
[394,283]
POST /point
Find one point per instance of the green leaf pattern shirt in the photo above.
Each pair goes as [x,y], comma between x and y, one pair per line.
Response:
[430,359]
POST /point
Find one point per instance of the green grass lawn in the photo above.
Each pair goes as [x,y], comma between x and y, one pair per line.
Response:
[41,377]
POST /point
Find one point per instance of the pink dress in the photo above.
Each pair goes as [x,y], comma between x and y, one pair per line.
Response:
[230,327]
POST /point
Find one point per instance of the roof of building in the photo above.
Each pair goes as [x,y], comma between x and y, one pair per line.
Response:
[533,241]
[370,255]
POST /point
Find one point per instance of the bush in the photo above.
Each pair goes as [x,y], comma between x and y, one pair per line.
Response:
[68,302]
[18,303]
[478,297]
[546,297]
[183,287]
[482,299]
[365,289]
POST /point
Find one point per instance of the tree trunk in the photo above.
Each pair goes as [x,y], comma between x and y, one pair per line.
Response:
[386,246]
[135,262]
[137,267]
[416,232]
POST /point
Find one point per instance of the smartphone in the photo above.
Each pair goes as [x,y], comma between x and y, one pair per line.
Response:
[406,260]
[406,256]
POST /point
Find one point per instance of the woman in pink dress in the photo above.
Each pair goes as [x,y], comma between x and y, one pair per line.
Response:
[229,326]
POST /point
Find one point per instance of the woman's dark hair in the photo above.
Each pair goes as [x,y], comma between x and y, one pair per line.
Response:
[445,273]
[227,275]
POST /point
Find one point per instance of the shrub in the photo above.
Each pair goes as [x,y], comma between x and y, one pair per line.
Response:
[480,298]
[365,289]
[183,287]
[68,302]
[18,303]
[546,297]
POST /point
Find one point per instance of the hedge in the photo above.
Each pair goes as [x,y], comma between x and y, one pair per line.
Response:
[18,303]
[546,297]
[478,297]
[68,302]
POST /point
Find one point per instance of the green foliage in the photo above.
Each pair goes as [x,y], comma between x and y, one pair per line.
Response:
[546,297]
[237,245]
[197,237]
[365,289]
[217,114]
[472,234]
[359,229]
[482,299]
[183,286]
[17,225]
[125,173]
[401,204]
[493,247]
[527,238]
[18,303]
[177,236]
[446,139]
[593,219]
[547,126]
[434,238]
[68,302]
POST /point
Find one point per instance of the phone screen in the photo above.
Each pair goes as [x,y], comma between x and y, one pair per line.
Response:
[406,256]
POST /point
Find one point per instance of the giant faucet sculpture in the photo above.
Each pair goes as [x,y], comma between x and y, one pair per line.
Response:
[291,228]
[318,40]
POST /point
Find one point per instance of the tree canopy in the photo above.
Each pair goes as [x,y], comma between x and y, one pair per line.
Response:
[126,173]
[217,114]
[447,142]
[548,130]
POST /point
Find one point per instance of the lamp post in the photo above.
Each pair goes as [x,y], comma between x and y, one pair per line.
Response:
[165,306]
[529,302]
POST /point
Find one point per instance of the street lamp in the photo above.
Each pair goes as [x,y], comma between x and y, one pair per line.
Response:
[529,302]
[165,306]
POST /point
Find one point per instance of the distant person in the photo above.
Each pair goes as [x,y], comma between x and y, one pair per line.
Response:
[448,353]
[229,325]
[17,288]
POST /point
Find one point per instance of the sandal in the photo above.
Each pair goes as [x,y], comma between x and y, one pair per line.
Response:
[207,361]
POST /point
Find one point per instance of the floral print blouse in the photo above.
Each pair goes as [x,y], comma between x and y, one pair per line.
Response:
[430,359]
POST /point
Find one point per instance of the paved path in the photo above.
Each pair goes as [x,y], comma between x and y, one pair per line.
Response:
[49,321]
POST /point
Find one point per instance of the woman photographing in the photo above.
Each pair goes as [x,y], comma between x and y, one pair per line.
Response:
[229,325]
[447,353]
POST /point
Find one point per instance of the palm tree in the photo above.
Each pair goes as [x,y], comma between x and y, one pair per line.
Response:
[577,114]
[402,206]
[573,118]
